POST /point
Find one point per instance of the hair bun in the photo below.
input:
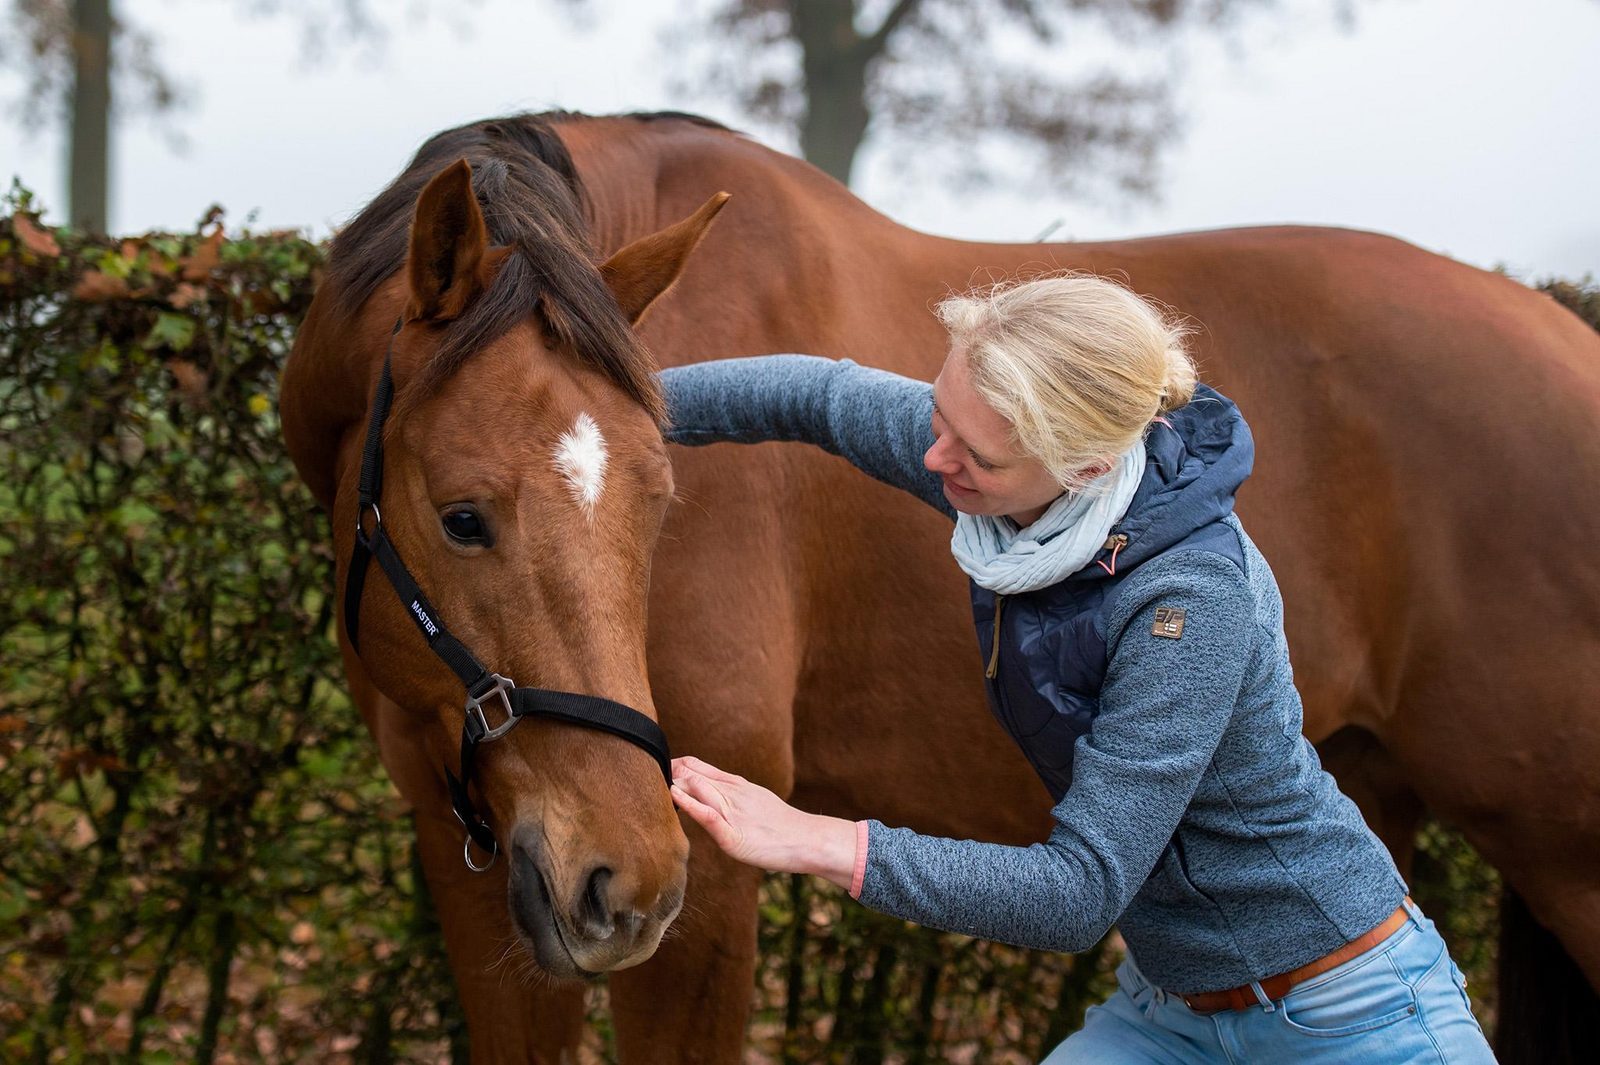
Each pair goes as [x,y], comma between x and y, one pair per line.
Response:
[1181,379]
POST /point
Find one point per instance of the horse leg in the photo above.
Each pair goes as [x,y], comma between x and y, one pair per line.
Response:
[1512,767]
[514,1013]
[1548,1012]
[691,1001]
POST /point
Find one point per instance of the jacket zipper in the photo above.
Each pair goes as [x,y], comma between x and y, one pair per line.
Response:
[1006,720]
[1113,544]
[994,651]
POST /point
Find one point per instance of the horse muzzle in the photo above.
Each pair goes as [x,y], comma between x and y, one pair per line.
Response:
[598,924]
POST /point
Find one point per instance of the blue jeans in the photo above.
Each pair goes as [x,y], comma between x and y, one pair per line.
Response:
[1402,1001]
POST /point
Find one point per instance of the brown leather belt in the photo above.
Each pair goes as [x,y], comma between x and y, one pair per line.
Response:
[1238,998]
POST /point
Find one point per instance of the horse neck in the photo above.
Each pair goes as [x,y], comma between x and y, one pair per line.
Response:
[329,379]
[641,175]
[796,258]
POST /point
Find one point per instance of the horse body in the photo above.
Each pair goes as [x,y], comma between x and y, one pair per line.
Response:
[1426,431]
[1417,420]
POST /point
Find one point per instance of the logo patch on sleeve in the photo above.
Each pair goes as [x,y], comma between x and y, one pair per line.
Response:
[1169,622]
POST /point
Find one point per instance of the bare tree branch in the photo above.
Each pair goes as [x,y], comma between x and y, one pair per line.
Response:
[42,39]
[1011,74]
[37,40]
[879,38]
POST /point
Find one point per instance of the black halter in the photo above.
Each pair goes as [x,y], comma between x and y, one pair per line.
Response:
[483,687]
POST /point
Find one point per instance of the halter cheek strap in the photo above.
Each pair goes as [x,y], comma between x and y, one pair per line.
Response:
[489,695]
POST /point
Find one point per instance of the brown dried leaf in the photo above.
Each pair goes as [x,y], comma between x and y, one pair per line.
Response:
[185,295]
[11,723]
[192,381]
[82,759]
[95,286]
[124,993]
[259,302]
[36,240]
[198,266]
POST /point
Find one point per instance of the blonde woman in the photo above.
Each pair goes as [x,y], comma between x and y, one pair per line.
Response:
[1134,644]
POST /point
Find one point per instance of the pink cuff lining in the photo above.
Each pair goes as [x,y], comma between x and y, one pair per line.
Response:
[861,860]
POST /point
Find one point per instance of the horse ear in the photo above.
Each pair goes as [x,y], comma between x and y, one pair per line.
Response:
[448,245]
[642,271]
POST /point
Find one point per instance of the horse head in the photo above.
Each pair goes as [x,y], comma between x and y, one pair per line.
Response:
[524,481]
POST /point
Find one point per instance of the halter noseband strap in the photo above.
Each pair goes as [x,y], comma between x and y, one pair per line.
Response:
[488,694]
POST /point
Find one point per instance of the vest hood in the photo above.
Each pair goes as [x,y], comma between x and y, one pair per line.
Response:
[1196,458]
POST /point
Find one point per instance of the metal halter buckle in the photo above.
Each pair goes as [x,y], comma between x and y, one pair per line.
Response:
[502,687]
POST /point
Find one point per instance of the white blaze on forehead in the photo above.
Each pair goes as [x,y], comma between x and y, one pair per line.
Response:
[581,458]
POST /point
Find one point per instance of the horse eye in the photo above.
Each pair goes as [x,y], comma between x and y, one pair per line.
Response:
[464,526]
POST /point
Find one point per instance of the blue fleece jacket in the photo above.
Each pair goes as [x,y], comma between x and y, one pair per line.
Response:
[1191,811]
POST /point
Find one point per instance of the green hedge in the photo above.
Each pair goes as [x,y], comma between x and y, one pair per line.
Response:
[200,858]
[198,849]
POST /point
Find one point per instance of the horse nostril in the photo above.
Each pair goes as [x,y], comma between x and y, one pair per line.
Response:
[594,916]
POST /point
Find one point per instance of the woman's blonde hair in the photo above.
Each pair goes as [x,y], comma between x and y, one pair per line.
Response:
[1078,364]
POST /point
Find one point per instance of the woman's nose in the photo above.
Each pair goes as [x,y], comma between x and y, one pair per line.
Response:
[940,458]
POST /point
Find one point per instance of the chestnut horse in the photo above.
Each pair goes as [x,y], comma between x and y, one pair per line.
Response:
[1428,437]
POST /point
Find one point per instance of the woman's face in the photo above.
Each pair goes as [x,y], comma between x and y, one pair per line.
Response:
[973,454]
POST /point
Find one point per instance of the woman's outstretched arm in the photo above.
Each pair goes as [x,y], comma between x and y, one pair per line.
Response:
[1163,710]
[878,421]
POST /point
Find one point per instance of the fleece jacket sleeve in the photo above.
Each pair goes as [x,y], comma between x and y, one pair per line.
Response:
[1163,709]
[878,421]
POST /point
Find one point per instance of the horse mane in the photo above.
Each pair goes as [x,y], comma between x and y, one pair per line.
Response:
[533,202]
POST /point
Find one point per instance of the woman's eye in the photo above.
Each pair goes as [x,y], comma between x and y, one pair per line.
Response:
[465,526]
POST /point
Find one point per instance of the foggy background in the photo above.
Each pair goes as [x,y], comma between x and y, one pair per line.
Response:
[1464,126]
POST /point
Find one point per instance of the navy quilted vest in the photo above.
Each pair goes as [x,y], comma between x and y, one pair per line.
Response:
[1044,684]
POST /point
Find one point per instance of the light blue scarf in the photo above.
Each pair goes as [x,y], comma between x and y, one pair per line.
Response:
[1006,559]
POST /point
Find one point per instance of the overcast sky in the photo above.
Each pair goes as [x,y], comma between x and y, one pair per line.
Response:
[1465,126]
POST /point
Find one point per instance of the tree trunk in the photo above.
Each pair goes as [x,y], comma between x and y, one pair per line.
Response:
[91,115]
[834,65]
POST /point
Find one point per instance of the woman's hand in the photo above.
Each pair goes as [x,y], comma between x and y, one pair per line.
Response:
[756,827]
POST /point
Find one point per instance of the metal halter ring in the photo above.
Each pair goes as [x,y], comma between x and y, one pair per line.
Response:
[377,518]
[466,854]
